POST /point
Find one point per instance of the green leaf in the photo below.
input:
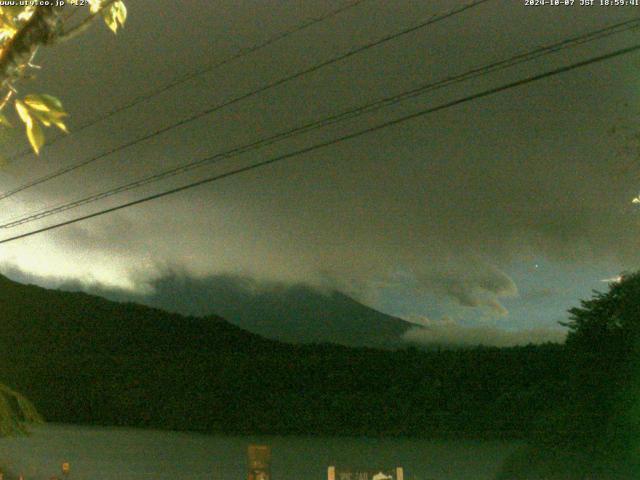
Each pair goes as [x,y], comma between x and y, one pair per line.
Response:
[44,103]
[42,108]
[60,124]
[110,20]
[34,130]
[23,113]
[36,137]
[121,12]
[115,16]
[50,117]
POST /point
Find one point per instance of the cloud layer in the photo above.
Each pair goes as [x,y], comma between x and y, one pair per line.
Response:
[442,206]
[447,332]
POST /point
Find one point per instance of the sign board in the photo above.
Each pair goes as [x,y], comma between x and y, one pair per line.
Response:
[337,473]
[259,462]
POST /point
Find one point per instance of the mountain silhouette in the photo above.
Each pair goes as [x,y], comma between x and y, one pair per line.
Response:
[289,313]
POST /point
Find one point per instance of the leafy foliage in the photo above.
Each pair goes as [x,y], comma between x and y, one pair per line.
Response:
[22,30]
[594,432]
[115,15]
[16,412]
[605,342]
[40,109]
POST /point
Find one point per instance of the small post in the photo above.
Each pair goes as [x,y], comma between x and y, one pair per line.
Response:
[334,473]
[65,469]
[259,462]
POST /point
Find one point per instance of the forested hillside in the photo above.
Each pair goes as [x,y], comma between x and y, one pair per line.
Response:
[83,359]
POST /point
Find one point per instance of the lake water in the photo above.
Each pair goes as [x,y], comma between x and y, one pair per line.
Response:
[127,454]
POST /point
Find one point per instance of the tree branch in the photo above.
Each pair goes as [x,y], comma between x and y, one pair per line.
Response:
[84,24]
[41,29]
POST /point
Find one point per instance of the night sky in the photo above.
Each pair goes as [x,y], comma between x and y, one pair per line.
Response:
[484,221]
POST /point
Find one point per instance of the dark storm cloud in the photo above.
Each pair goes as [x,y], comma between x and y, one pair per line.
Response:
[443,204]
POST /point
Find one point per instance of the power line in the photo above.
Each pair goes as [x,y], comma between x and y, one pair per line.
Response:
[432,20]
[345,115]
[243,52]
[334,141]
